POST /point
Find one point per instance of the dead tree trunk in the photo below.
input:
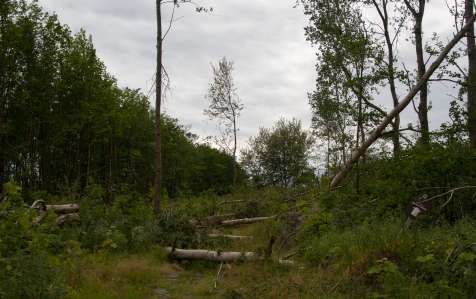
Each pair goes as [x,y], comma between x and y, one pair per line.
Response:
[218,256]
[403,103]
[210,255]
[63,209]
[418,13]
[232,237]
[158,98]
[217,219]
[235,222]
[471,80]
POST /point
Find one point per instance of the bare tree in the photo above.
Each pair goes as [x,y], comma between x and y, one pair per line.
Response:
[224,103]
[158,100]
[159,84]
[471,79]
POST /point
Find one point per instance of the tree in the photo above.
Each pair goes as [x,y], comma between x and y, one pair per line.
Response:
[224,103]
[418,11]
[403,103]
[471,78]
[159,76]
[64,122]
[353,59]
[158,100]
[278,156]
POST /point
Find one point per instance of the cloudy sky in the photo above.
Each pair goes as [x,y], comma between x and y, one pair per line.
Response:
[274,64]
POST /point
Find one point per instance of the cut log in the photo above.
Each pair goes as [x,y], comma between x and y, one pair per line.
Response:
[59,209]
[218,256]
[39,205]
[227,202]
[233,237]
[63,209]
[399,108]
[217,219]
[286,262]
[235,222]
[210,255]
[67,218]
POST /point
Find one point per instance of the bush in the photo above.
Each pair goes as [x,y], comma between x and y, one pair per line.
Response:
[28,267]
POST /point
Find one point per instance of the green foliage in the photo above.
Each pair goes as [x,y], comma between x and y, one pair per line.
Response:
[28,267]
[64,122]
[279,156]
[175,229]
[383,259]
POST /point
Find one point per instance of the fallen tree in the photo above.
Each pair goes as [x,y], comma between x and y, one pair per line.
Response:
[61,209]
[218,256]
[68,211]
[68,218]
[226,202]
[210,255]
[233,237]
[235,222]
[217,219]
[399,108]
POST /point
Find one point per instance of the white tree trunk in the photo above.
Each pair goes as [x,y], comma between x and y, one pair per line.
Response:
[233,237]
[245,221]
[210,255]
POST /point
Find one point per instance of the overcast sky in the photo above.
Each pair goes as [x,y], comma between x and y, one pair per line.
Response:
[274,64]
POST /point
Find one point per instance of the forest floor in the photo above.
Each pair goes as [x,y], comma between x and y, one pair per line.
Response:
[152,275]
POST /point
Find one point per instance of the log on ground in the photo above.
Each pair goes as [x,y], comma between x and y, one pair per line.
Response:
[61,209]
[210,255]
[233,237]
[68,218]
[217,219]
[234,222]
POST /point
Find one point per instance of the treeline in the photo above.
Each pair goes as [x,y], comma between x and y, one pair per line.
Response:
[64,122]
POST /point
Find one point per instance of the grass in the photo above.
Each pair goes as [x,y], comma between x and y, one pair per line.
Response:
[371,259]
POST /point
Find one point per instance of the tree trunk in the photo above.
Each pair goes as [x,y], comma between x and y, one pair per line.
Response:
[218,256]
[418,14]
[235,170]
[66,208]
[209,255]
[158,98]
[471,80]
[2,173]
[232,237]
[391,77]
[403,103]
[423,105]
[357,140]
[245,221]
[217,219]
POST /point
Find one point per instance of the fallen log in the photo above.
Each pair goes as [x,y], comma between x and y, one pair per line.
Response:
[235,222]
[233,237]
[217,219]
[59,209]
[218,256]
[66,208]
[226,202]
[68,218]
[210,255]
[399,108]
